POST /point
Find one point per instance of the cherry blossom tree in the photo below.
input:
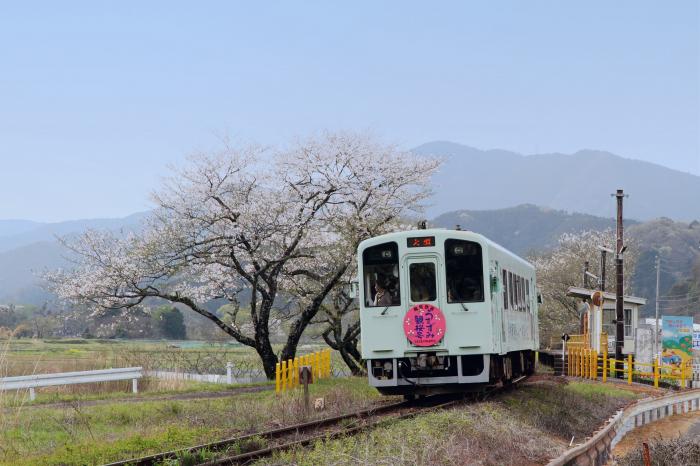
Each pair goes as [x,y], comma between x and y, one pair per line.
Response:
[248,225]
[562,267]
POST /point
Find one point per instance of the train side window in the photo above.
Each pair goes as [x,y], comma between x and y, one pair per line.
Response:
[522,294]
[380,265]
[422,282]
[527,295]
[505,289]
[510,291]
[464,271]
[516,291]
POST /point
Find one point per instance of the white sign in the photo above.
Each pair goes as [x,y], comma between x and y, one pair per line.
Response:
[644,347]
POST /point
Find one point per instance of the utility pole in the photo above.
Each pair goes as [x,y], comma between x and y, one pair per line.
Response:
[656,321]
[602,269]
[619,294]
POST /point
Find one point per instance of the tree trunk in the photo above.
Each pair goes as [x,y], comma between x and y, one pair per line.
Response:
[346,346]
[355,365]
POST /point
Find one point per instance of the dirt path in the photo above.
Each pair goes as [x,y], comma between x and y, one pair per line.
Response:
[666,428]
[140,399]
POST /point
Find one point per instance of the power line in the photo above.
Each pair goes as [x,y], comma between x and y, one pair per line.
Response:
[679,294]
[680,298]
[690,296]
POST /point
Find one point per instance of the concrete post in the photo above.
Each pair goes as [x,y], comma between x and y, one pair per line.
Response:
[32,394]
[229,373]
[135,385]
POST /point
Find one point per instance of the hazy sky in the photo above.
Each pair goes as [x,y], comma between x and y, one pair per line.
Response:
[97,98]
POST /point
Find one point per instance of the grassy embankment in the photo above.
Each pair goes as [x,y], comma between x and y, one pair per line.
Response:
[529,425]
[75,434]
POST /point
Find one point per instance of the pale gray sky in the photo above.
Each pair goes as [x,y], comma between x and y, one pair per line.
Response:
[97,98]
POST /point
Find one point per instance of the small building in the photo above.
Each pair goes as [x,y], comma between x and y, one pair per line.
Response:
[601,319]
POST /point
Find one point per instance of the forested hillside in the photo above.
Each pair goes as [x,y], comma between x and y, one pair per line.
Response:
[527,228]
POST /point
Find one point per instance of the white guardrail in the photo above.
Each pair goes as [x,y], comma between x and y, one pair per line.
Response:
[68,378]
[596,450]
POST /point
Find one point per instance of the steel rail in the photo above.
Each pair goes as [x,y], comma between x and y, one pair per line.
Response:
[246,458]
[269,434]
[415,407]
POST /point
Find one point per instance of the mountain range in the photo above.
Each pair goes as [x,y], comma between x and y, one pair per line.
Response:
[522,202]
[493,179]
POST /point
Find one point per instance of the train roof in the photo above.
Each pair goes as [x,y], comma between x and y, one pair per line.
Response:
[456,234]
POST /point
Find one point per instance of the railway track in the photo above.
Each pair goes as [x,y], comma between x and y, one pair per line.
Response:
[250,447]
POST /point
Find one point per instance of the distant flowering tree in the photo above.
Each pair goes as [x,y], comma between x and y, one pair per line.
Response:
[249,224]
[562,267]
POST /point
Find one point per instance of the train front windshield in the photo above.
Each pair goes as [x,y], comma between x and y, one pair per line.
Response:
[381,275]
[464,271]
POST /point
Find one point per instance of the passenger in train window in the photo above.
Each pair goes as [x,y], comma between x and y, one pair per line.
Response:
[463,289]
[382,296]
[381,275]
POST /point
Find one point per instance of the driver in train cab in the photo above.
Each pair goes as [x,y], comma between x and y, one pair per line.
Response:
[382,296]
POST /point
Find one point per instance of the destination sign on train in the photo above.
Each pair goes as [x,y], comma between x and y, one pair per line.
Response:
[421,242]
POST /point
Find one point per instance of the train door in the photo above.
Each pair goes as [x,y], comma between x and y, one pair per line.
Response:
[424,274]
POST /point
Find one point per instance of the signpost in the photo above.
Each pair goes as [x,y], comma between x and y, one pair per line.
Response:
[564,338]
[306,377]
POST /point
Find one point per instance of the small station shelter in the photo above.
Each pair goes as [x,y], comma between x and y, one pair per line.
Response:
[599,319]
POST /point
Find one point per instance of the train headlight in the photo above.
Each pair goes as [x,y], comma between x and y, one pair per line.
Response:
[388,366]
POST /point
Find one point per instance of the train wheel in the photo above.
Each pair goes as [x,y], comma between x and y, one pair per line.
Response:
[529,363]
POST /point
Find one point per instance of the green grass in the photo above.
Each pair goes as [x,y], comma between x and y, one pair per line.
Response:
[113,431]
[528,425]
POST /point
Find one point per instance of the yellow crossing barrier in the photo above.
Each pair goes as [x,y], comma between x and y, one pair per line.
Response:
[287,372]
[586,363]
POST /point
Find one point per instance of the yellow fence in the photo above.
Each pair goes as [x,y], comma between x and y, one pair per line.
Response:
[584,341]
[589,364]
[287,372]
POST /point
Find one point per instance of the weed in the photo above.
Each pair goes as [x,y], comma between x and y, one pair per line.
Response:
[677,451]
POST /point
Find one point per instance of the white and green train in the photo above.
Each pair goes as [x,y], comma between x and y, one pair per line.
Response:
[445,310]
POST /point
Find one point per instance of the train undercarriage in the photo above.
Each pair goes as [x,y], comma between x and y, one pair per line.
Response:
[430,373]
